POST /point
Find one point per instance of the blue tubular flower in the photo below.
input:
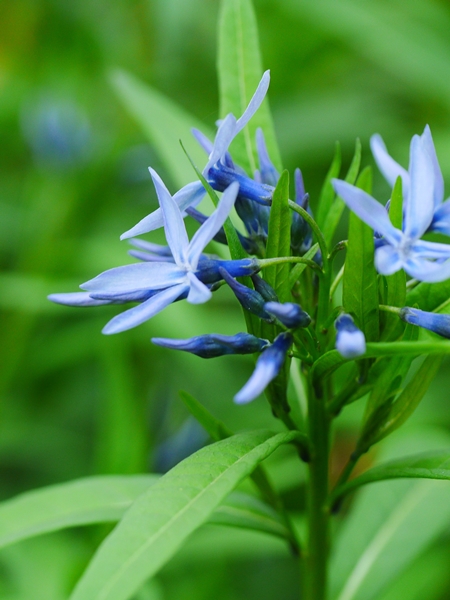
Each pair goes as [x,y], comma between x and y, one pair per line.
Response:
[219,170]
[158,284]
[290,314]
[403,249]
[267,367]
[267,171]
[438,323]
[350,341]
[250,299]
[301,233]
[212,345]
[264,288]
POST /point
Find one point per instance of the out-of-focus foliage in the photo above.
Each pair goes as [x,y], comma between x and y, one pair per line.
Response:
[73,177]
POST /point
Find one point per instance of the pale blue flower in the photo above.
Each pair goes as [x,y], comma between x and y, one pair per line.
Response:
[156,284]
[267,367]
[403,249]
[219,169]
[436,322]
[350,341]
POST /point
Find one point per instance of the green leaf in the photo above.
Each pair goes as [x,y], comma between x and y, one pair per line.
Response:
[337,207]
[429,465]
[240,70]
[91,500]
[394,286]
[216,429]
[298,269]
[360,287]
[164,122]
[279,239]
[390,524]
[327,194]
[244,510]
[159,522]
[428,296]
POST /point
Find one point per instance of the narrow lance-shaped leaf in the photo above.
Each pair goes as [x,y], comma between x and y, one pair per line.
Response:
[240,70]
[279,239]
[164,122]
[360,289]
[337,207]
[427,465]
[327,193]
[159,522]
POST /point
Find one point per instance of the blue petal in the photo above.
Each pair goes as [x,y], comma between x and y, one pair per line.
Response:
[77,299]
[157,249]
[387,165]
[268,172]
[255,102]
[138,314]
[424,249]
[189,195]
[139,276]
[438,178]
[425,270]
[204,142]
[224,137]
[173,221]
[212,225]
[368,210]
[441,219]
[198,291]
[387,260]
[350,341]
[419,207]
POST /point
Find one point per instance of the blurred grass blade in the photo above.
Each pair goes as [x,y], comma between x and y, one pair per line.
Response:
[337,207]
[430,465]
[164,122]
[360,286]
[240,70]
[279,239]
[158,523]
[91,500]
[216,429]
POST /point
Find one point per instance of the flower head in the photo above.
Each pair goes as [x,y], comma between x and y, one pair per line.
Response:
[158,283]
[403,249]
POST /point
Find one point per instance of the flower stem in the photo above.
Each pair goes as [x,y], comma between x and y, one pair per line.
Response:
[315,573]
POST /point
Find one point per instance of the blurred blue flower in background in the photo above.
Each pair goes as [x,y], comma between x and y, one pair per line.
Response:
[350,341]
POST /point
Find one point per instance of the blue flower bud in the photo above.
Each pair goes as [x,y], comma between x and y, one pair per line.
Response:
[267,367]
[209,269]
[254,216]
[290,314]
[221,176]
[267,170]
[438,323]
[264,288]
[301,234]
[350,341]
[212,345]
[250,299]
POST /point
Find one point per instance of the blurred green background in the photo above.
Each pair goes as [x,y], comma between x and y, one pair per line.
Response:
[73,177]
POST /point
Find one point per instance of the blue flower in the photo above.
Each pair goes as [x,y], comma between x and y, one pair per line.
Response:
[219,170]
[391,170]
[267,367]
[290,314]
[156,284]
[250,299]
[350,341]
[436,322]
[403,249]
[212,345]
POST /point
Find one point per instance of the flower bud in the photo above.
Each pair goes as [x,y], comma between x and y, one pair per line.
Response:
[212,345]
[250,299]
[290,314]
[350,341]
[436,322]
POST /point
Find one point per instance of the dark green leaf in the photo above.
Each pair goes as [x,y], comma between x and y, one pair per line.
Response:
[298,269]
[240,70]
[360,288]
[327,194]
[279,239]
[158,523]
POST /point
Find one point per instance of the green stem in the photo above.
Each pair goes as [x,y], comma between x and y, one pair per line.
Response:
[315,573]
[316,230]
[267,262]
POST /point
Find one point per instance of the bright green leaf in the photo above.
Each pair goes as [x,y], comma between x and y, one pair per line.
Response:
[240,70]
[327,194]
[161,519]
[360,287]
